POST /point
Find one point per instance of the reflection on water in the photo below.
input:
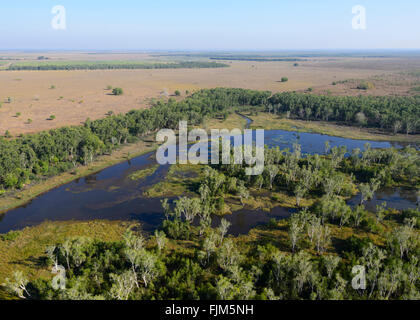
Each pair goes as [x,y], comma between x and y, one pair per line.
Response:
[111,194]
[315,143]
[396,198]
[244,220]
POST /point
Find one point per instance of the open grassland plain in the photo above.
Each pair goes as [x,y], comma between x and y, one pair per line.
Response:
[392,84]
[72,96]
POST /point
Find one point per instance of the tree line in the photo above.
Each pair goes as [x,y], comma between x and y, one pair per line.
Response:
[114,65]
[256,59]
[392,114]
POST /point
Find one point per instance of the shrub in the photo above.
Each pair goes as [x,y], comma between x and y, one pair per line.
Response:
[412,213]
[356,244]
[272,224]
[117,91]
[365,85]
[370,225]
[220,205]
[284,79]
[10,236]
[10,181]
[361,118]
[176,229]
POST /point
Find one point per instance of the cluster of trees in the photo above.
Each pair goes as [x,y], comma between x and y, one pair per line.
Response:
[114,65]
[218,266]
[338,173]
[49,153]
[393,114]
[392,270]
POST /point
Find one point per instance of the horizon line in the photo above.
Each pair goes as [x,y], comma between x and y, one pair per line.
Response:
[210,50]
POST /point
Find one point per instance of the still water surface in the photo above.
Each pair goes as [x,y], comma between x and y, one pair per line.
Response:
[111,195]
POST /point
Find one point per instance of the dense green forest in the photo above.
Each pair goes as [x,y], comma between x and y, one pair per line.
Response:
[392,114]
[299,258]
[29,157]
[97,65]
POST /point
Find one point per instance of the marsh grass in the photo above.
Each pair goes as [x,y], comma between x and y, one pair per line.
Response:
[144,173]
[233,121]
[181,180]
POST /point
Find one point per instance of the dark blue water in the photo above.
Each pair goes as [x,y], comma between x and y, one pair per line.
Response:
[315,143]
[110,194]
[396,198]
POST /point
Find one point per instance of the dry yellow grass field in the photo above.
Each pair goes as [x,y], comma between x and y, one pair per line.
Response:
[81,94]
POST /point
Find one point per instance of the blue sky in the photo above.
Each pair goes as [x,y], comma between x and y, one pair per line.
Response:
[209,25]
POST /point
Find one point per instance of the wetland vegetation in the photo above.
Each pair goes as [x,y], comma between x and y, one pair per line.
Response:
[186,243]
[307,256]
